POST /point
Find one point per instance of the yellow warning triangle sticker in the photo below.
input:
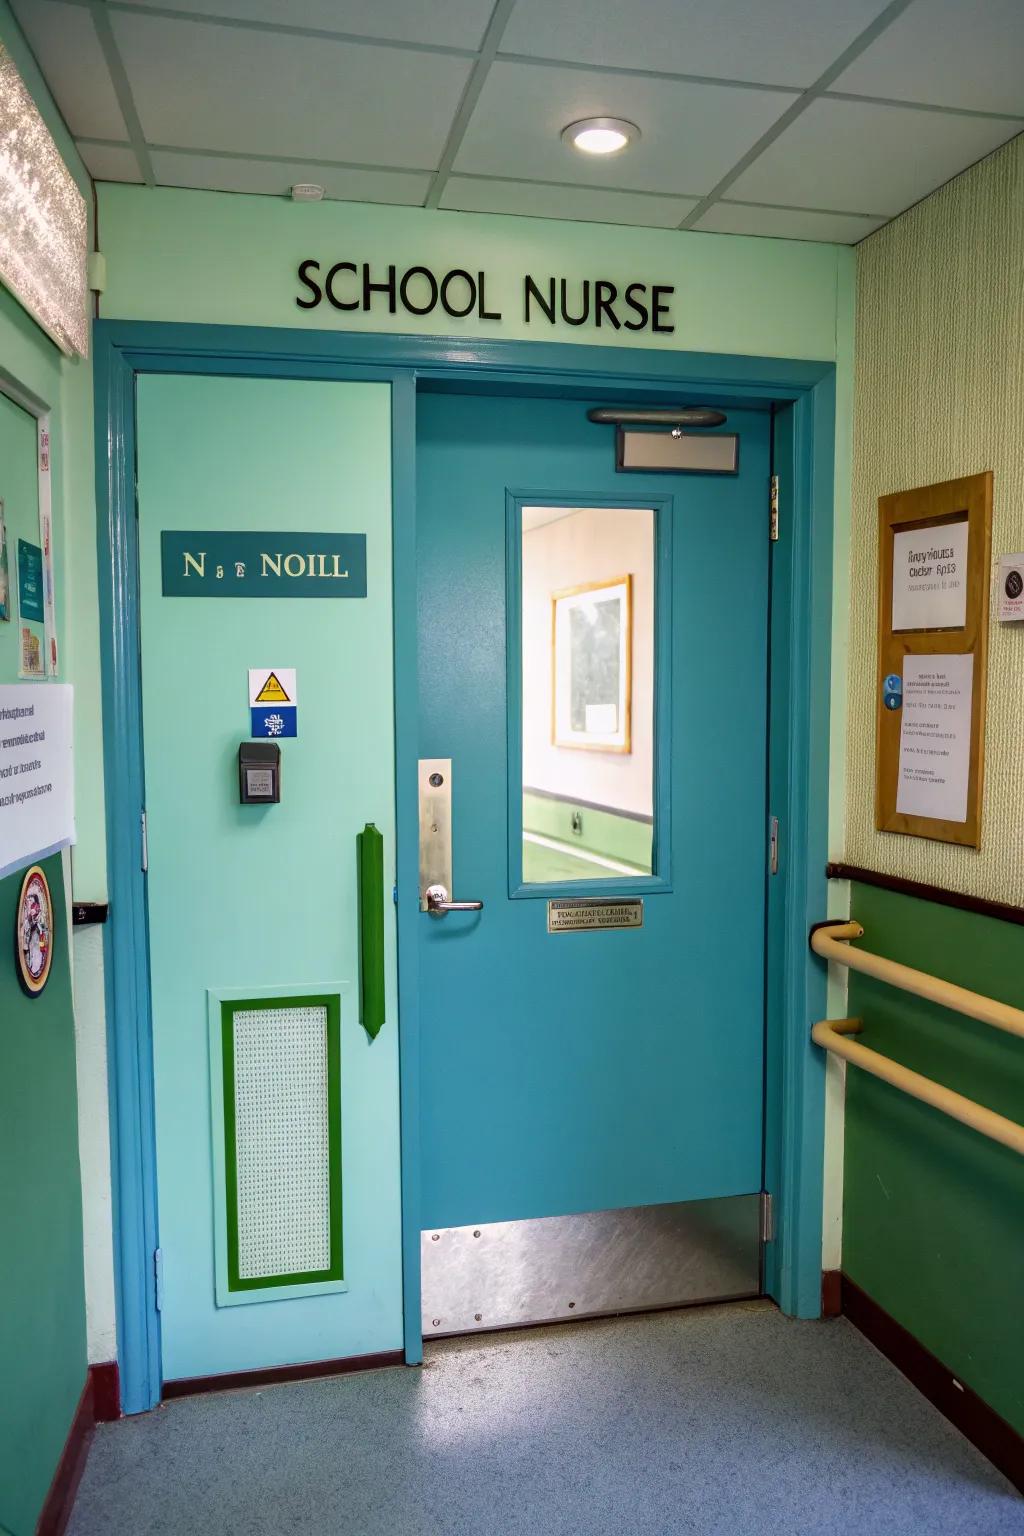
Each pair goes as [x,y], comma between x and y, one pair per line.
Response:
[272,692]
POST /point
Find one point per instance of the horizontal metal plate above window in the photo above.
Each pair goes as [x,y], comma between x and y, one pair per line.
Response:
[693,453]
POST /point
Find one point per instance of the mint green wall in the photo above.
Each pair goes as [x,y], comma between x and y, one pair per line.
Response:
[42,1301]
[932,1213]
[231,259]
[249,897]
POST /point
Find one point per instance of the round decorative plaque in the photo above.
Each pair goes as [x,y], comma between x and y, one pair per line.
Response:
[33,932]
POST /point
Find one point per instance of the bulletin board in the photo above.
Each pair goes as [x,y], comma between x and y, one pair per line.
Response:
[934,552]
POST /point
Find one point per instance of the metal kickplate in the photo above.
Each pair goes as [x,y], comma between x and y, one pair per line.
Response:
[581,914]
[505,1274]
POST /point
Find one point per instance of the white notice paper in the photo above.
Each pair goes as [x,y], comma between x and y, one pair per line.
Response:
[929,577]
[37,798]
[935,737]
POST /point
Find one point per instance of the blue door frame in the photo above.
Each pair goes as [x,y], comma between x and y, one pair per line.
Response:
[802,395]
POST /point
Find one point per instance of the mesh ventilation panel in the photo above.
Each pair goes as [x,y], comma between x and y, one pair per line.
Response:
[281,1138]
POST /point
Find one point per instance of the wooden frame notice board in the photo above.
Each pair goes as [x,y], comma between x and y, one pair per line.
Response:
[934,553]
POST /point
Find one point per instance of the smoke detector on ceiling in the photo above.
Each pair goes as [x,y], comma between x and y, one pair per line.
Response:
[307,192]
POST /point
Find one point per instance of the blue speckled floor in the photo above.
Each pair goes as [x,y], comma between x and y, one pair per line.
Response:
[721,1421]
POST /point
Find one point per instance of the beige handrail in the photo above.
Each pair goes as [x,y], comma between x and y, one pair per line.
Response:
[832,943]
[832,1034]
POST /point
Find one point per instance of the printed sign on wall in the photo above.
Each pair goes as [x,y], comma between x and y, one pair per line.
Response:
[223,564]
[5,574]
[934,578]
[31,611]
[1011,588]
[30,581]
[929,577]
[935,737]
[273,697]
[37,805]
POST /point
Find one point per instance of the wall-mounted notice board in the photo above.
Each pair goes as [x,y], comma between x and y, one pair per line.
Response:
[934,552]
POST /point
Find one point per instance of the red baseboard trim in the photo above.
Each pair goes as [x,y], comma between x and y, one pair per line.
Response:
[56,1510]
[831,1293]
[309,1370]
[971,1415]
[106,1392]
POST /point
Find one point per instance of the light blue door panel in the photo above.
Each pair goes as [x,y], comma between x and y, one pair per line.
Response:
[575,1072]
[264,897]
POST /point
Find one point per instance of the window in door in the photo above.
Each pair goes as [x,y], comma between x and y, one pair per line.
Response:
[588,726]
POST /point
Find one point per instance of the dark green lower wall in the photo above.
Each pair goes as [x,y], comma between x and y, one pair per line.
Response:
[933,1225]
[608,833]
[42,1289]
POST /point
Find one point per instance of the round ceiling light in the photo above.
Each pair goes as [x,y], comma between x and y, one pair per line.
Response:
[600,135]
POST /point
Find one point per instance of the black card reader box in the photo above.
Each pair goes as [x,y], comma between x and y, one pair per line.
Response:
[259,773]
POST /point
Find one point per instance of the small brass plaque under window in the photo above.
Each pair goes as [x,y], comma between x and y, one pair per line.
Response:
[580,913]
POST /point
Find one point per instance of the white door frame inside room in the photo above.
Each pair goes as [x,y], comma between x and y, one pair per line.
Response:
[801,396]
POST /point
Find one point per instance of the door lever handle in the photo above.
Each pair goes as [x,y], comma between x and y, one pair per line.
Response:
[438,904]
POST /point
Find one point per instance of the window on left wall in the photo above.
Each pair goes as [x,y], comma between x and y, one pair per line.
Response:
[43,219]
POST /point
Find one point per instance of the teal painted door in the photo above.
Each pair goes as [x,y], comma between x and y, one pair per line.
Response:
[250,900]
[574,1072]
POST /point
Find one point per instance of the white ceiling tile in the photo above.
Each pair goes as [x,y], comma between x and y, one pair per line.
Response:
[110,162]
[226,174]
[453,24]
[68,52]
[953,53]
[589,204]
[865,158]
[261,93]
[690,134]
[775,42]
[786,223]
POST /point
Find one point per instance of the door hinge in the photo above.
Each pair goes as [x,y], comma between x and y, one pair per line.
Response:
[767,1217]
[158,1278]
[773,845]
[773,510]
[143,828]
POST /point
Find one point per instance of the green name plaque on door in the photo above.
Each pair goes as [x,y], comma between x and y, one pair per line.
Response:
[225,564]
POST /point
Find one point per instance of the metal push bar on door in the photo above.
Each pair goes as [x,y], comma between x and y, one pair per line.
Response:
[831,942]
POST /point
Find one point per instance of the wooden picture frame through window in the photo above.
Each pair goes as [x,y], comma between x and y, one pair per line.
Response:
[620,737]
[928,510]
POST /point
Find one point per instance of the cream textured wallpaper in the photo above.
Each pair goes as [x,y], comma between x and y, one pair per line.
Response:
[940,393]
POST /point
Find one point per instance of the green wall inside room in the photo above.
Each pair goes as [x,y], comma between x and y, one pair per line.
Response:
[932,1224]
[42,1303]
[602,831]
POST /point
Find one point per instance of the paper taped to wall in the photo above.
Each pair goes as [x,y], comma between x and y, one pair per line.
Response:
[935,737]
[37,800]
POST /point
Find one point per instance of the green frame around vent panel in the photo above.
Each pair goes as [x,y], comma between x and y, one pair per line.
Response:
[230,1287]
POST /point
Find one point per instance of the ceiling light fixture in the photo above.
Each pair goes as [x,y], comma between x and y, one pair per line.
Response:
[600,135]
[307,192]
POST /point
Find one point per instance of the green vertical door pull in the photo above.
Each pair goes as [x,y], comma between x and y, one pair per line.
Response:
[370,846]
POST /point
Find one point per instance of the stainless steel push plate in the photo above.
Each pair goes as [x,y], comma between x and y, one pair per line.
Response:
[435,781]
[583,913]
